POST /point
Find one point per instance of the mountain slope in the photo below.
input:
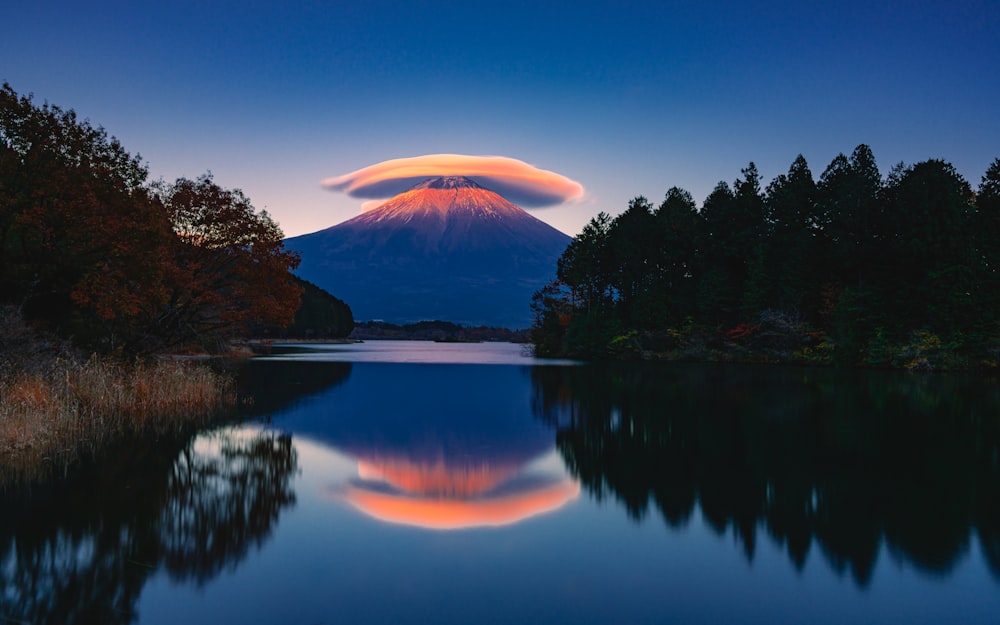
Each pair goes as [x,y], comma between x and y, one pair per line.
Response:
[446,249]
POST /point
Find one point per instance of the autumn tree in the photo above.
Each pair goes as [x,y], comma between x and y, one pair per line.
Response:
[82,241]
[230,270]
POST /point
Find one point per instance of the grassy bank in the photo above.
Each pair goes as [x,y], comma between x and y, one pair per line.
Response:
[50,420]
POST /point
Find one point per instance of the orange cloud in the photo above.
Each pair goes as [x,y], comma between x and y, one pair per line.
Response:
[516,180]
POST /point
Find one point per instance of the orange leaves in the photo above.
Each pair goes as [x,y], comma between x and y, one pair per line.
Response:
[87,246]
[230,270]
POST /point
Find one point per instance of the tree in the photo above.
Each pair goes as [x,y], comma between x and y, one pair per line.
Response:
[230,270]
[82,241]
[717,282]
[320,315]
[933,282]
[553,311]
[850,198]
[793,251]
[586,265]
[987,241]
[632,241]
[681,233]
[855,232]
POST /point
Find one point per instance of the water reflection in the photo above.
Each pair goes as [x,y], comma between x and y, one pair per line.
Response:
[81,552]
[441,447]
[845,462]
[439,494]
[269,388]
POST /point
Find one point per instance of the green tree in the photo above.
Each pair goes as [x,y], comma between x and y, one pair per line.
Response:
[855,233]
[794,250]
[852,215]
[586,266]
[632,241]
[735,228]
[552,311]
[681,234]
[934,266]
[751,231]
[987,244]
[717,276]
[320,315]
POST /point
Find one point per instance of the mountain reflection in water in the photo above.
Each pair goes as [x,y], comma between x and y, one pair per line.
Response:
[440,447]
[835,488]
[843,461]
[511,496]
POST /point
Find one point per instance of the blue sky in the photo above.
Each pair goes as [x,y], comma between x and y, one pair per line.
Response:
[627,98]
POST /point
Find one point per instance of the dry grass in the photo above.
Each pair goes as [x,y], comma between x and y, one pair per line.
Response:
[51,419]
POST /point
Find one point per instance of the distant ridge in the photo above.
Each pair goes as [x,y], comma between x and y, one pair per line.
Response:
[448,248]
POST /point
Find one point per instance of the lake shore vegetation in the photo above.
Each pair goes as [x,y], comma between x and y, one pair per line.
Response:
[853,269]
[59,408]
[102,272]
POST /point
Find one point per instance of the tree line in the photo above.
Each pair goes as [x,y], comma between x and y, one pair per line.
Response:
[853,268]
[91,249]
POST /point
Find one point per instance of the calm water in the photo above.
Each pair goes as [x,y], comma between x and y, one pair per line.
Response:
[466,483]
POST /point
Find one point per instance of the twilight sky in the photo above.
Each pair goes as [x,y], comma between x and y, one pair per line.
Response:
[625,98]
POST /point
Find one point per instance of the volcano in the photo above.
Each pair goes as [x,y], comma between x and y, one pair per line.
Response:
[446,249]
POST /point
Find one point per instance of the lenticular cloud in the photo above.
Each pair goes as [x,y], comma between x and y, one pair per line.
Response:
[516,180]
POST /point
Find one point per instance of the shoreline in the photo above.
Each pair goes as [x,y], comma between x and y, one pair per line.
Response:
[77,410]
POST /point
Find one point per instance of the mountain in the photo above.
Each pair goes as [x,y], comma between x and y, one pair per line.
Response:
[447,249]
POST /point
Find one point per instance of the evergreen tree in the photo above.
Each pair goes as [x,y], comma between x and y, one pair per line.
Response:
[719,271]
[794,250]
[749,230]
[586,266]
[933,281]
[987,244]
[633,240]
[681,235]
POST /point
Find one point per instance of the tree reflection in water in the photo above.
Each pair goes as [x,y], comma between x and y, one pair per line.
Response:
[847,461]
[81,552]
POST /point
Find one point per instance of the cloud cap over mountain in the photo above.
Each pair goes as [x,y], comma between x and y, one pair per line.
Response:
[515,180]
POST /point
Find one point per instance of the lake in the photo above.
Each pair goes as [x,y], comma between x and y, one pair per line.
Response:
[410,482]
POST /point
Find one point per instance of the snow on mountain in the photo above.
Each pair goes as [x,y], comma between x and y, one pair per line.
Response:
[447,249]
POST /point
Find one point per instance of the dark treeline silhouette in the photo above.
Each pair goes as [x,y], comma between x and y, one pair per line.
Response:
[834,461]
[851,268]
[320,316]
[81,550]
[92,250]
[436,331]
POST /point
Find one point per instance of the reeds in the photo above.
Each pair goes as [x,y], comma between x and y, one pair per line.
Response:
[51,419]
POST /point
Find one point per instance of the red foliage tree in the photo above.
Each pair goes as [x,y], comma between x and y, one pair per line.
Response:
[230,270]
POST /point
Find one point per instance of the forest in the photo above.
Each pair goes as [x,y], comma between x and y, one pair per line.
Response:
[851,269]
[92,250]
